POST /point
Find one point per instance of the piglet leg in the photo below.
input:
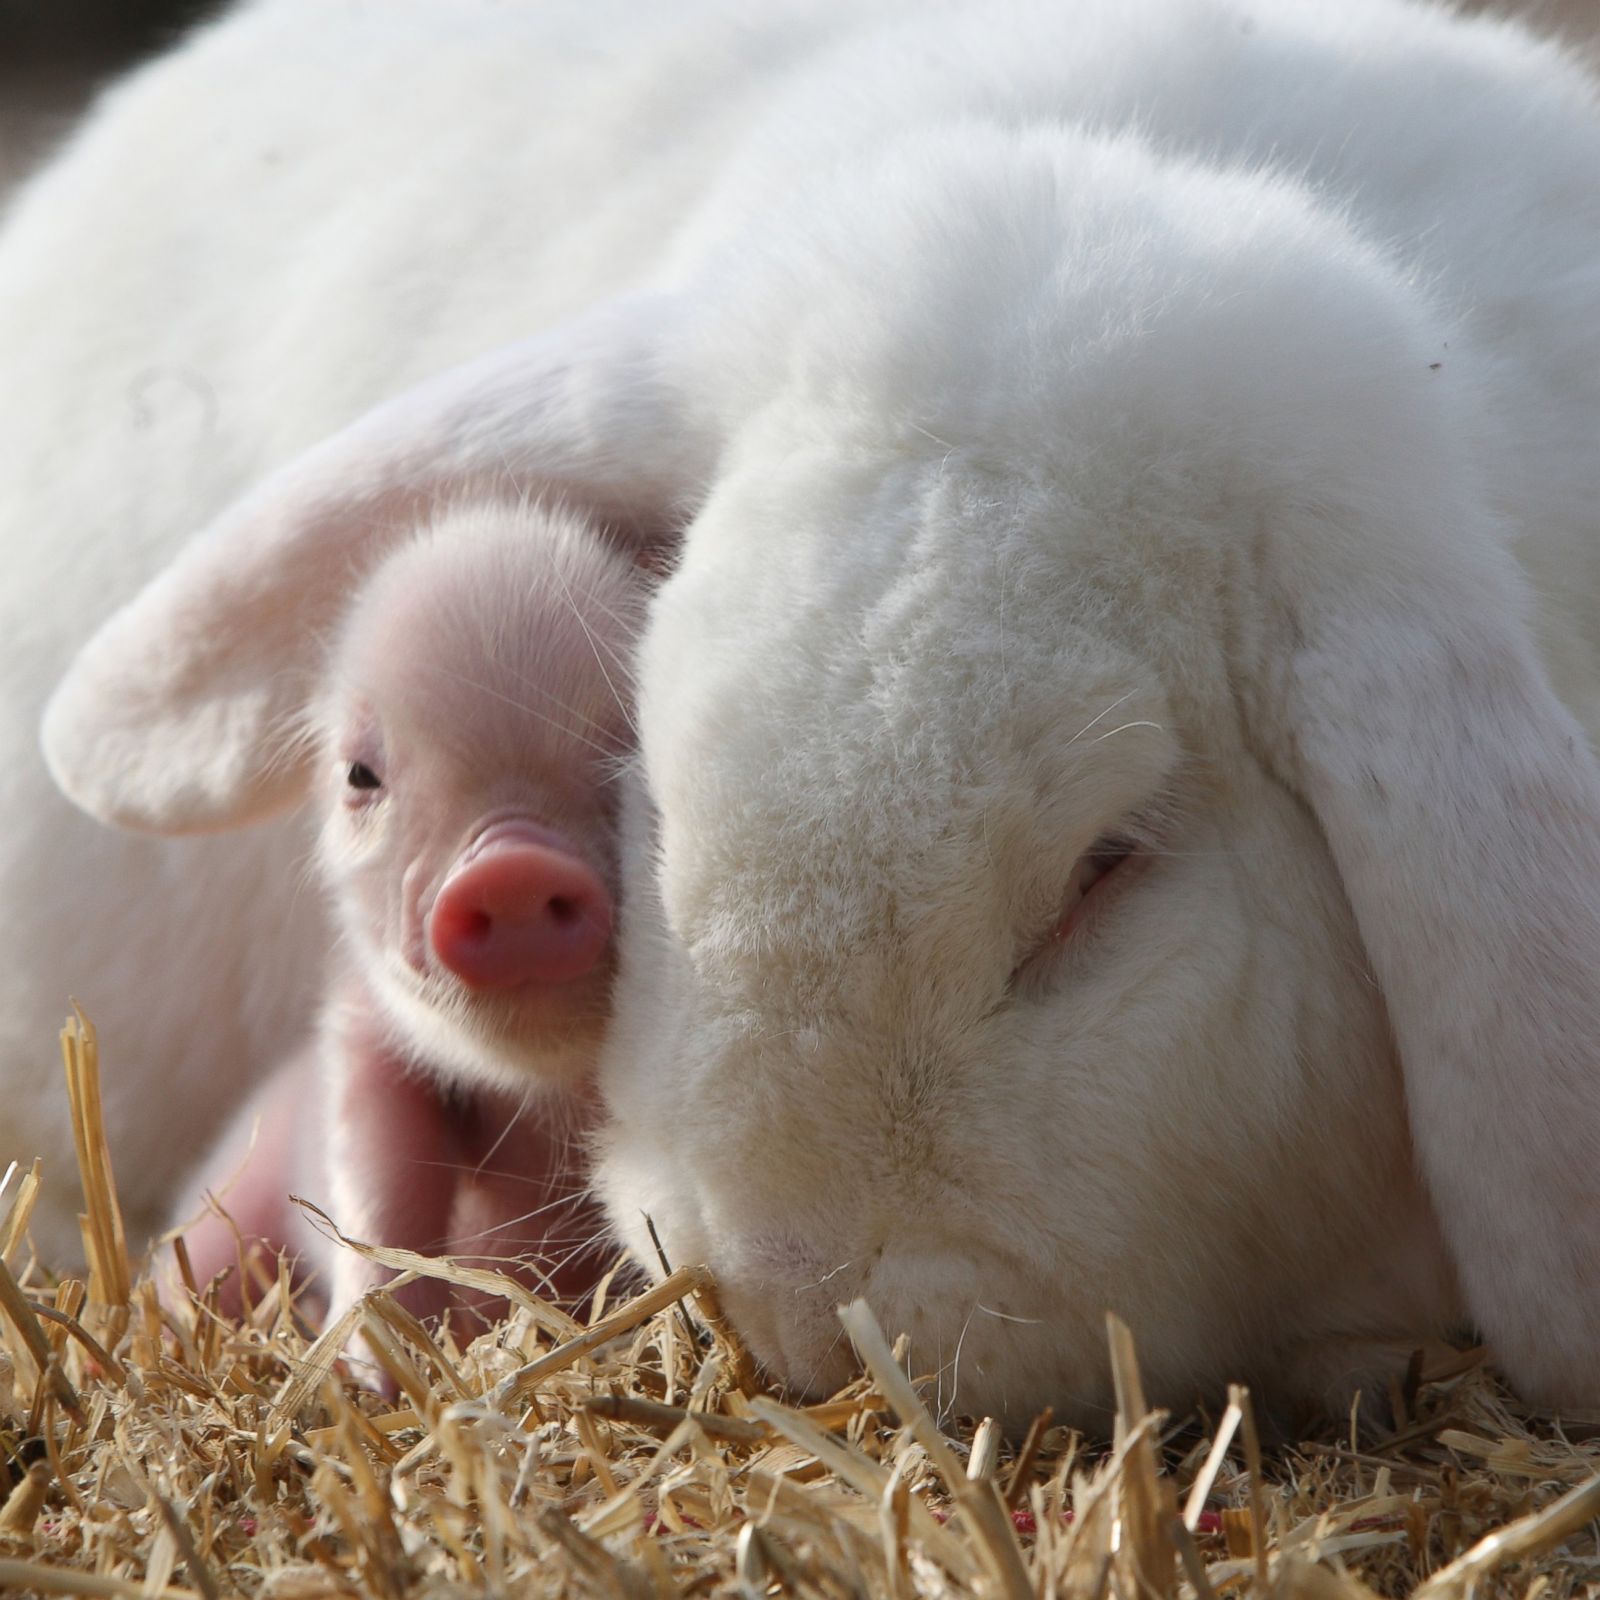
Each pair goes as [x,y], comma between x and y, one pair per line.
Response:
[240,1197]
[393,1160]
[523,1206]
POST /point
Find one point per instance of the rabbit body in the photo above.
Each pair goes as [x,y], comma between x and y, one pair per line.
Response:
[1116,822]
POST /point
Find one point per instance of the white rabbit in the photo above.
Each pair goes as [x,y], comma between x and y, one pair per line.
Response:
[467,728]
[1105,833]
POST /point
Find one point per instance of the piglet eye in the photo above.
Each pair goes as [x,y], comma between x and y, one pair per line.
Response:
[361,776]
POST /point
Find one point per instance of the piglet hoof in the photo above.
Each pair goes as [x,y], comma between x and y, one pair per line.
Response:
[360,1366]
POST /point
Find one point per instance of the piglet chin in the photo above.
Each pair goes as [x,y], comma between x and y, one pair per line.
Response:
[530,1039]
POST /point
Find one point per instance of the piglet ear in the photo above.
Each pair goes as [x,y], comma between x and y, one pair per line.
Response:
[181,713]
[1462,804]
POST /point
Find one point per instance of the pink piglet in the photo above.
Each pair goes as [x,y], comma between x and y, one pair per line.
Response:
[475,708]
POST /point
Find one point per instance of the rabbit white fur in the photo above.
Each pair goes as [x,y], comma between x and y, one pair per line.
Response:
[1150,439]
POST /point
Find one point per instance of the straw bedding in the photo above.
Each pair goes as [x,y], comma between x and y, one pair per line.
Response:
[635,1452]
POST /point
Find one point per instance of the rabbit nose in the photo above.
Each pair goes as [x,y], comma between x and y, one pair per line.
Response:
[796,1336]
[782,1293]
[520,911]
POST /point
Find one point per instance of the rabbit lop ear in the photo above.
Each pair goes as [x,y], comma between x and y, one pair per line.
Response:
[180,714]
[1461,801]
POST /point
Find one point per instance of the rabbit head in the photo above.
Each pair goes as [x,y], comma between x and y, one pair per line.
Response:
[1086,756]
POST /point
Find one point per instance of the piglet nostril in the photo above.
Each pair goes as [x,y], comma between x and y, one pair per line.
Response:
[520,912]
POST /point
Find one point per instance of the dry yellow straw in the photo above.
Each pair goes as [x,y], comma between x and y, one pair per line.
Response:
[105,1241]
[142,1454]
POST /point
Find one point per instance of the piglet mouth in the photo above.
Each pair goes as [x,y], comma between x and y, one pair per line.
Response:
[520,909]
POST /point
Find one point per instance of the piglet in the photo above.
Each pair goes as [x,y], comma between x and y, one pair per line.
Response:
[474,709]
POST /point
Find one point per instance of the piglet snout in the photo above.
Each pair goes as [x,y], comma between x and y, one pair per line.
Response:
[521,908]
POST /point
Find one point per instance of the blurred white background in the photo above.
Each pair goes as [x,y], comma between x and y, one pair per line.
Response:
[55,53]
